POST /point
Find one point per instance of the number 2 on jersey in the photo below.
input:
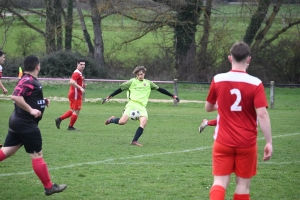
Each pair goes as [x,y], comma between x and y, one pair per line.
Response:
[235,106]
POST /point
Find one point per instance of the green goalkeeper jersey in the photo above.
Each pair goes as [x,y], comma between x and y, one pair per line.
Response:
[138,91]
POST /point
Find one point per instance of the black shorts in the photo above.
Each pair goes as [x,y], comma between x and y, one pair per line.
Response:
[32,141]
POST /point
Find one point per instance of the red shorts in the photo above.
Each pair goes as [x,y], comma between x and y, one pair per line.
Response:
[227,160]
[75,104]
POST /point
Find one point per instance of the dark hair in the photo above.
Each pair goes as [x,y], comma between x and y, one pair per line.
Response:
[240,51]
[1,53]
[138,69]
[30,63]
[80,60]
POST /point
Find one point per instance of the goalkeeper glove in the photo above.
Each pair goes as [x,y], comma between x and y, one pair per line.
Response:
[176,98]
[106,99]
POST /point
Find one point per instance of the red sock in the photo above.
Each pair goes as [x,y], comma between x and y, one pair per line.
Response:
[73,119]
[217,192]
[241,197]
[2,155]
[212,122]
[66,115]
[41,170]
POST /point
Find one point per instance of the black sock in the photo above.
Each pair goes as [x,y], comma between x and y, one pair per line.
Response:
[138,133]
[115,120]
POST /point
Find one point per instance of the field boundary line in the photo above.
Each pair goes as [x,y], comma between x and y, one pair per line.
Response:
[131,157]
[8,97]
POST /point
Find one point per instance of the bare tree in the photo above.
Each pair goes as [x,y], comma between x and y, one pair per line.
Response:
[182,16]
[58,24]
[204,62]
[7,29]
[86,34]
[50,27]
[98,40]
[260,39]
[69,26]
[256,20]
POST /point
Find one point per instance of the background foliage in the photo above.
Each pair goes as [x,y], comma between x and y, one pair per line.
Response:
[128,44]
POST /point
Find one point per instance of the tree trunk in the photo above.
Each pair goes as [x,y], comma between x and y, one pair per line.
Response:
[86,34]
[98,40]
[260,36]
[69,26]
[58,25]
[50,28]
[256,21]
[202,56]
[184,37]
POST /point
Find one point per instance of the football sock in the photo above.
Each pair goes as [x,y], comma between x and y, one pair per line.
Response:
[217,192]
[41,170]
[138,134]
[73,120]
[241,197]
[2,155]
[212,122]
[115,120]
[66,115]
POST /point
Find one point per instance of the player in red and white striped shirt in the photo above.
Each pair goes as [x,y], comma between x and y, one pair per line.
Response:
[241,102]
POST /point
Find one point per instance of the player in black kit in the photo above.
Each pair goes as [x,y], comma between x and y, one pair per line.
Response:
[23,123]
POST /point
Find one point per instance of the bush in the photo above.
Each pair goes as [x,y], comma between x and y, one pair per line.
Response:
[11,66]
[63,63]
[158,67]
[279,63]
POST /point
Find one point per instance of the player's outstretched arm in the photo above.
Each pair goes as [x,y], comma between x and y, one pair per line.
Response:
[4,90]
[166,92]
[118,91]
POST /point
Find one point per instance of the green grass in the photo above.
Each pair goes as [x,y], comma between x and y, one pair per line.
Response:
[174,163]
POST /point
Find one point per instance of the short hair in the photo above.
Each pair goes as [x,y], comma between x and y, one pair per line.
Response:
[30,63]
[138,69]
[240,51]
[1,53]
[80,60]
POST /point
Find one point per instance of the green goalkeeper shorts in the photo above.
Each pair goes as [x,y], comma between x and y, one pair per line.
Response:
[132,105]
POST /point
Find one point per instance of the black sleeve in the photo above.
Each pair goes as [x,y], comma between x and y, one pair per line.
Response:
[118,91]
[163,91]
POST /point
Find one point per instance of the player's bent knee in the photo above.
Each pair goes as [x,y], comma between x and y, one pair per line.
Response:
[122,122]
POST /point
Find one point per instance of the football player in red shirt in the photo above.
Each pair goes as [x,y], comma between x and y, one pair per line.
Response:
[76,91]
[241,103]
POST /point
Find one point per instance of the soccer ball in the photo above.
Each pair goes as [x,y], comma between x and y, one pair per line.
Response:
[135,114]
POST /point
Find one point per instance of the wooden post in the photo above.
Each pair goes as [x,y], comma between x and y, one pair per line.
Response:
[272,83]
[175,91]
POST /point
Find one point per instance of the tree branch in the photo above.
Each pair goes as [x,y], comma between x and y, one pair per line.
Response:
[41,14]
[260,36]
[25,21]
[268,42]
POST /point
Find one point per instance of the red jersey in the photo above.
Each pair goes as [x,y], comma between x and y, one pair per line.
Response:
[75,93]
[237,95]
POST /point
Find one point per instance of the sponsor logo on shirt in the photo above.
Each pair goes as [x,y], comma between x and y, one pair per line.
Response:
[42,103]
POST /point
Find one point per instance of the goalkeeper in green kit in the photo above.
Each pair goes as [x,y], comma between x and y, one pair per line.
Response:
[138,92]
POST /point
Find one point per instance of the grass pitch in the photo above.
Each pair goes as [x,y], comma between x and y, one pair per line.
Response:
[97,162]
